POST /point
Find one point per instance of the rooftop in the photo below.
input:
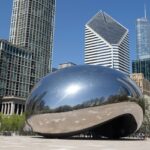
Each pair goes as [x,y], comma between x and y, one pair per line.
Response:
[108,28]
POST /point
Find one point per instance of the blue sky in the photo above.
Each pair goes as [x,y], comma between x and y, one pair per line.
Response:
[72,15]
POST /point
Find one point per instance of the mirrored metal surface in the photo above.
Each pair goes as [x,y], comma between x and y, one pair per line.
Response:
[81,92]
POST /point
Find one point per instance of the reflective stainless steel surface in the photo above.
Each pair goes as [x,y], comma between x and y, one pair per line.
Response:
[80,98]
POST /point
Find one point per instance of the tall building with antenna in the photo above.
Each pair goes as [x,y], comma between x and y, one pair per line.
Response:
[142,62]
[143,37]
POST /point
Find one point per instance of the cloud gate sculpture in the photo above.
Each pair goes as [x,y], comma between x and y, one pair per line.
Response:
[85,99]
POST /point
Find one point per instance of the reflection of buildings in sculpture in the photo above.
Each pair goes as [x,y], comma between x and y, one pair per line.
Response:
[90,99]
[66,65]
[143,83]
[15,68]
[54,69]
[106,43]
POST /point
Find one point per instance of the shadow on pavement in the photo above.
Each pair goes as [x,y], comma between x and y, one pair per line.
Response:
[92,139]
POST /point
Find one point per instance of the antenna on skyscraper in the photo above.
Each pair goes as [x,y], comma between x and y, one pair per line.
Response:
[145,13]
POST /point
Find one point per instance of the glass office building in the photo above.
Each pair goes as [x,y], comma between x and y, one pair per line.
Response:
[142,63]
[32,26]
[143,38]
[15,74]
[107,43]
[15,70]
[142,66]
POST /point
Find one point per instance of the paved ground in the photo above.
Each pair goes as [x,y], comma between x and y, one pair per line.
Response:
[38,143]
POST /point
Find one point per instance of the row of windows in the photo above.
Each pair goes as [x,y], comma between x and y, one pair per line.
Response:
[18,86]
[14,50]
[35,31]
[14,62]
[15,93]
[97,51]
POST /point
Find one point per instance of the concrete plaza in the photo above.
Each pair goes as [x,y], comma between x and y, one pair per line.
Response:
[39,143]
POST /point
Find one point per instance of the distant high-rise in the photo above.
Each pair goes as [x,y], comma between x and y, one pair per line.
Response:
[143,38]
[142,63]
[32,26]
[106,43]
[66,65]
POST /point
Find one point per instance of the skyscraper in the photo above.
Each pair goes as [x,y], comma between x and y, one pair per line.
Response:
[143,38]
[28,55]
[106,43]
[32,26]
[142,63]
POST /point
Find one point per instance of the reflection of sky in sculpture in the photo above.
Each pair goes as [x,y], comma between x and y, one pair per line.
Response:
[80,84]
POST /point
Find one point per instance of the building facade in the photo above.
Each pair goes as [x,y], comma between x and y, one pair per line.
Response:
[107,43]
[32,26]
[15,71]
[66,65]
[12,105]
[143,83]
[142,66]
[143,38]
[142,63]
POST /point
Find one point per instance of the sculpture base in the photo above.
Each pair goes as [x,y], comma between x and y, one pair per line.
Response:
[111,120]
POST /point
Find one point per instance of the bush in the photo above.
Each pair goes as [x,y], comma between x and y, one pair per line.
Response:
[13,123]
